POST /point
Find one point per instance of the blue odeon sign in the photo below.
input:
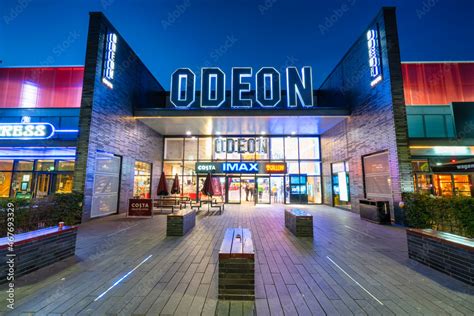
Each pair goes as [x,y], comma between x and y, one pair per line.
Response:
[26,131]
[249,89]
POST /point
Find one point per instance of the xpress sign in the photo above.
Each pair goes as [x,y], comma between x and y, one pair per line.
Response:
[25,131]
[248,88]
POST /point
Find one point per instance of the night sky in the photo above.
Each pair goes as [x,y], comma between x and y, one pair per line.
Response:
[189,33]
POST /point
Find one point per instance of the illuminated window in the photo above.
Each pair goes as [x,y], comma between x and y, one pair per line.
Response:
[29,95]
[142,180]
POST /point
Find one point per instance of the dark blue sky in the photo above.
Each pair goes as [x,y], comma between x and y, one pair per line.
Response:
[229,33]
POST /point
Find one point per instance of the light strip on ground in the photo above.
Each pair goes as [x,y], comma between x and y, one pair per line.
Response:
[378,301]
[122,278]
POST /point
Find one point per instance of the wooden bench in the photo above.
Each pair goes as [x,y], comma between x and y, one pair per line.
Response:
[217,205]
[178,224]
[445,252]
[196,205]
[237,265]
[299,222]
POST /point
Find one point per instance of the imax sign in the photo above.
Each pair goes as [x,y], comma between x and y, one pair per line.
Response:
[266,82]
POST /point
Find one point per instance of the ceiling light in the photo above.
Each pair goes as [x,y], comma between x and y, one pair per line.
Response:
[188,133]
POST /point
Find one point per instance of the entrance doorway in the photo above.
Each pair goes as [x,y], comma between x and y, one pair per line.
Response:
[277,185]
[263,190]
[233,189]
[247,191]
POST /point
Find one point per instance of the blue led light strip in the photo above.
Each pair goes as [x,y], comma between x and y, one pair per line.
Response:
[122,278]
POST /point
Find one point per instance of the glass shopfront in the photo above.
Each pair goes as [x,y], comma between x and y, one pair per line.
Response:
[263,185]
[442,183]
[35,178]
[142,180]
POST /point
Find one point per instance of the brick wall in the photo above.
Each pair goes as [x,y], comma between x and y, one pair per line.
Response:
[106,118]
[378,119]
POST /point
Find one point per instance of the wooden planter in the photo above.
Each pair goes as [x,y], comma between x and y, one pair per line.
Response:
[237,266]
[445,252]
[299,222]
[35,250]
[180,223]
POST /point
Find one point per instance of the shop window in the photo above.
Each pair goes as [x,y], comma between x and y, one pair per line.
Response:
[189,168]
[309,148]
[205,148]
[66,165]
[291,148]
[420,166]
[45,165]
[189,186]
[106,184]
[310,167]
[174,148]
[293,167]
[462,185]
[314,190]
[142,180]
[443,184]
[190,148]
[277,148]
[23,165]
[340,184]
[22,184]
[423,183]
[377,176]
[5,177]
[63,183]
[170,168]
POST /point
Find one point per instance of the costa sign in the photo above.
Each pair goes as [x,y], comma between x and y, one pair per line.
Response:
[25,131]
[265,82]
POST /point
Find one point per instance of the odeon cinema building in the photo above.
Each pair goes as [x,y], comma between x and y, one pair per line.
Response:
[375,128]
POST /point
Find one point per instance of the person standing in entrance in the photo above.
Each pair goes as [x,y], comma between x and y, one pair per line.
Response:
[247,191]
[275,194]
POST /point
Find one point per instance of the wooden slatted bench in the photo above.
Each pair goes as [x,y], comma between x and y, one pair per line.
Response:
[178,224]
[237,266]
[217,205]
[170,204]
[299,222]
[445,252]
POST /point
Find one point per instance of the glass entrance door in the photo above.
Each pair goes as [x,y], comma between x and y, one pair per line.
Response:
[43,183]
[263,190]
[233,189]
[277,189]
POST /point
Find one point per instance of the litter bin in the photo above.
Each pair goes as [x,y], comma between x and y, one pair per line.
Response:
[376,211]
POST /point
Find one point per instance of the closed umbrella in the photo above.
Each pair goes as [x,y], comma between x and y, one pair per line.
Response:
[175,187]
[162,186]
[208,188]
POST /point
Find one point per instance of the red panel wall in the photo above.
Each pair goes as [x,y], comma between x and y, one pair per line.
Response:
[41,87]
[438,83]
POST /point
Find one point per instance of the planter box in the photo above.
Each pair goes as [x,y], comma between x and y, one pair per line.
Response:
[448,253]
[237,266]
[36,249]
[180,223]
[299,223]
[375,211]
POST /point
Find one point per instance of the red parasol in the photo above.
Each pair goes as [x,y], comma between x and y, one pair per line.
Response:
[162,186]
[208,188]
[175,187]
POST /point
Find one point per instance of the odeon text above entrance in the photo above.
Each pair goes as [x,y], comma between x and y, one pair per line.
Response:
[249,89]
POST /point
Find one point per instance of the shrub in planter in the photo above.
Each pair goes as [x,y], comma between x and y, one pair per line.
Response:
[450,214]
[33,214]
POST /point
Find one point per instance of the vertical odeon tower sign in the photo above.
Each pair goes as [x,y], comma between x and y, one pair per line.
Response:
[249,88]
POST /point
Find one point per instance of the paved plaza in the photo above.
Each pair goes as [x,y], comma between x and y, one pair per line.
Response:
[351,267]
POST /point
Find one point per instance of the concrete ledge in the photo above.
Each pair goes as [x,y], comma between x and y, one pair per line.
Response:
[35,250]
[445,252]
